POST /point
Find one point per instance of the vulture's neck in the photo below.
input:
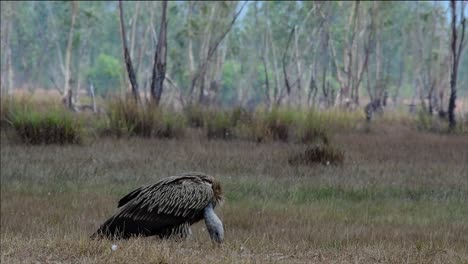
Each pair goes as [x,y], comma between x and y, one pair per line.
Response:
[213,224]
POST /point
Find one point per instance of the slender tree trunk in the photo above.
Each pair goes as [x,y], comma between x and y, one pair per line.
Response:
[160,56]
[191,63]
[264,55]
[127,58]
[456,53]
[205,49]
[7,74]
[58,48]
[134,28]
[67,90]
[146,35]
[93,97]
[298,68]
[285,72]
[276,90]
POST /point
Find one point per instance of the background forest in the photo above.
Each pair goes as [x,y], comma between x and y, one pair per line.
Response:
[300,53]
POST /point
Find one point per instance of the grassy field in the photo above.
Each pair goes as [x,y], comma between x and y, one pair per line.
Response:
[400,197]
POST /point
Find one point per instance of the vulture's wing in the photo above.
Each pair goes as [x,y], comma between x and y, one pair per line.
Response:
[155,209]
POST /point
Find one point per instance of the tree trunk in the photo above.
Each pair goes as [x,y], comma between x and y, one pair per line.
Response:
[191,62]
[298,68]
[160,56]
[455,52]
[276,90]
[264,56]
[67,92]
[146,35]
[285,72]
[7,69]
[205,49]
[127,58]
[134,28]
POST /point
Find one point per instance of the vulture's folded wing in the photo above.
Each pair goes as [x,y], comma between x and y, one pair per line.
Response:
[155,209]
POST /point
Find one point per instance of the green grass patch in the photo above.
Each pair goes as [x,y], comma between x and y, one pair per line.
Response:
[126,118]
[56,125]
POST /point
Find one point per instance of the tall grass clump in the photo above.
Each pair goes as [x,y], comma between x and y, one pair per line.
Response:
[228,124]
[320,153]
[5,108]
[195,115]
[274,125]
[55,125]
[127,118]
[312,127]
[426,122]
[218,125]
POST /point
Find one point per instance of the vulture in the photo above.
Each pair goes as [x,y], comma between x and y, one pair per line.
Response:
[167,209]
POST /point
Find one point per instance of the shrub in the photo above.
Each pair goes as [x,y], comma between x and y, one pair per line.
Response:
[427,122]
[312,128]
[219,125]
[195,115]
[125,117]
[174,125]
[278,124]
[318,154]
[241,116]
[54,126]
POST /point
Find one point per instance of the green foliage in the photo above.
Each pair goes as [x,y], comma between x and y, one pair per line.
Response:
[54,126]
[105,74]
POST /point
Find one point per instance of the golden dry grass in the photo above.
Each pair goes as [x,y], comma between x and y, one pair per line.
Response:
[399,197]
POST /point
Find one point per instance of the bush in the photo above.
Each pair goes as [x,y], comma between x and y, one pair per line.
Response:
[219,125]
[277,124]
[241,116]
[125,117]
[312,128]
[54,126]
[195,115]
[318,154]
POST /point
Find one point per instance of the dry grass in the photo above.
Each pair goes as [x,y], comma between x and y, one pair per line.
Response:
[399,197]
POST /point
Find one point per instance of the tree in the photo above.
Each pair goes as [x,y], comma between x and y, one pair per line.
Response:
[456,51]
[159,66]
[127,58]
[6,61]
[67,89]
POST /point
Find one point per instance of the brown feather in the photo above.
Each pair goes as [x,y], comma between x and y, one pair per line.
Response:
[169,206]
